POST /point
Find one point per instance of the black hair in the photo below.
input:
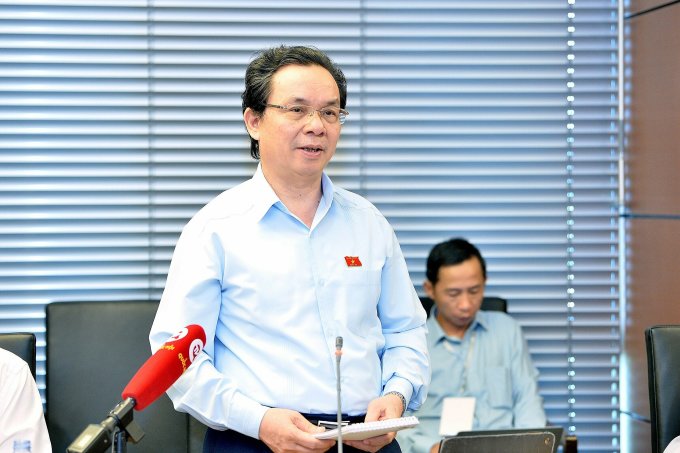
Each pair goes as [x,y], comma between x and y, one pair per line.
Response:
[261,70]
[453,251]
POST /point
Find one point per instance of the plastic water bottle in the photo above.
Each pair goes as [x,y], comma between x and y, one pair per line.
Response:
[22,446]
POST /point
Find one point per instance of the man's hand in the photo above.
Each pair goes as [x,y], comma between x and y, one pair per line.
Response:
[283,430]
[383,408]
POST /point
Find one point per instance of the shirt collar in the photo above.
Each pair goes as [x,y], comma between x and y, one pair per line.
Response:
[264,196]
[437,335]
[326,197]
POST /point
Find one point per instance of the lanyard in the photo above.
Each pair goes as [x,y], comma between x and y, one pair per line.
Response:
[468,360]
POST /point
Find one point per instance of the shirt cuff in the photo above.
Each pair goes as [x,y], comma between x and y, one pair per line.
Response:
[245,415]
[401,385]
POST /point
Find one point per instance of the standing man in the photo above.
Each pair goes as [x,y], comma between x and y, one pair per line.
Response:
[278,267]
[22,422]
[473,353]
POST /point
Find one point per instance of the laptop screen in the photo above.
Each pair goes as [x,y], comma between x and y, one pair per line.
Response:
[556,430]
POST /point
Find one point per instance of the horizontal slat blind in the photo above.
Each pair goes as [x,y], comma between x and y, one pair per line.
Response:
[497,121]
[490,120]
[74,160]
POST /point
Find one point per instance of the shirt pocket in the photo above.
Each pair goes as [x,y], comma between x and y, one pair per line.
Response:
[355,294]
[499,387]
[360,276]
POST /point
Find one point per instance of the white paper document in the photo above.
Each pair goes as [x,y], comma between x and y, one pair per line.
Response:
[457,415]
[361,431]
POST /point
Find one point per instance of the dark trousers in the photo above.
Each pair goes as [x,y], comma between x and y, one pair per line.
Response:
[234,442]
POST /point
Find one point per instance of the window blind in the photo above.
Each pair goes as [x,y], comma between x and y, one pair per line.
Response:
[491,120]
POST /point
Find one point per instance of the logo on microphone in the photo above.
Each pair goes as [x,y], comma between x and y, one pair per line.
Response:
[183,332]
[194,349]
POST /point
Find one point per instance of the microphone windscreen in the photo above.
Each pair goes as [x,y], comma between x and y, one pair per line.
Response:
[163,368]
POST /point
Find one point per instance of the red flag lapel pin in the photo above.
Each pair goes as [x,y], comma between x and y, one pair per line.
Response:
[353,261]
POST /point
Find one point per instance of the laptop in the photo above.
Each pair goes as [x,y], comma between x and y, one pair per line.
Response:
[532,442]
[558,431]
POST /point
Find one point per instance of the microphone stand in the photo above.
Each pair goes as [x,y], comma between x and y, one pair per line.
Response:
[119,425]
[338,354]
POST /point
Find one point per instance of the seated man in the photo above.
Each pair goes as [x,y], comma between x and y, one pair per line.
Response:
[473,353]
[22,424]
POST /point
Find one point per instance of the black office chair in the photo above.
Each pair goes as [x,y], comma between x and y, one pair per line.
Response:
[663,363]
[489,303]
[534,442]
[22,345]
[93,350]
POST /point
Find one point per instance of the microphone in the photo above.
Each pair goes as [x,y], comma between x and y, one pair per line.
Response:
[338,354]
[165,366]
[157,374]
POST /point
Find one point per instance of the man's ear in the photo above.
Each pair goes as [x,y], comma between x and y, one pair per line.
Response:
[429,289]
[252,120]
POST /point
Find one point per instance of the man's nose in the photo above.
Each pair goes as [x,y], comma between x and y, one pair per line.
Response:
[465,301]
[314,121]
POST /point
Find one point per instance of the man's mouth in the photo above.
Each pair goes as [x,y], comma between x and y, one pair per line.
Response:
[311,149]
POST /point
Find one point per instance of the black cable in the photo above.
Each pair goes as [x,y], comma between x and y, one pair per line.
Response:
[645,11]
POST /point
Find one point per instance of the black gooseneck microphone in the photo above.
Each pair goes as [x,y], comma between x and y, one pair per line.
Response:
[338,354]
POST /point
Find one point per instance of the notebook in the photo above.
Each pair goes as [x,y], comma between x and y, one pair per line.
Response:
[556,430]
[361,431]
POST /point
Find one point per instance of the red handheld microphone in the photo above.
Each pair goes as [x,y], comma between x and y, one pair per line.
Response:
[157,374]
[163,368]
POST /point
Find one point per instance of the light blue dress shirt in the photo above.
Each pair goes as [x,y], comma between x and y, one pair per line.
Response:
[273,295]
[500,376]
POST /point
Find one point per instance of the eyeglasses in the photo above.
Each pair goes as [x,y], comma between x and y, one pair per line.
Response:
[330,115]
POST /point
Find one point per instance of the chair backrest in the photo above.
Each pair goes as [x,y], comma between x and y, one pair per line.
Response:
[535,442]
[663,363]
[489,303]
[21,344]
[93,350]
